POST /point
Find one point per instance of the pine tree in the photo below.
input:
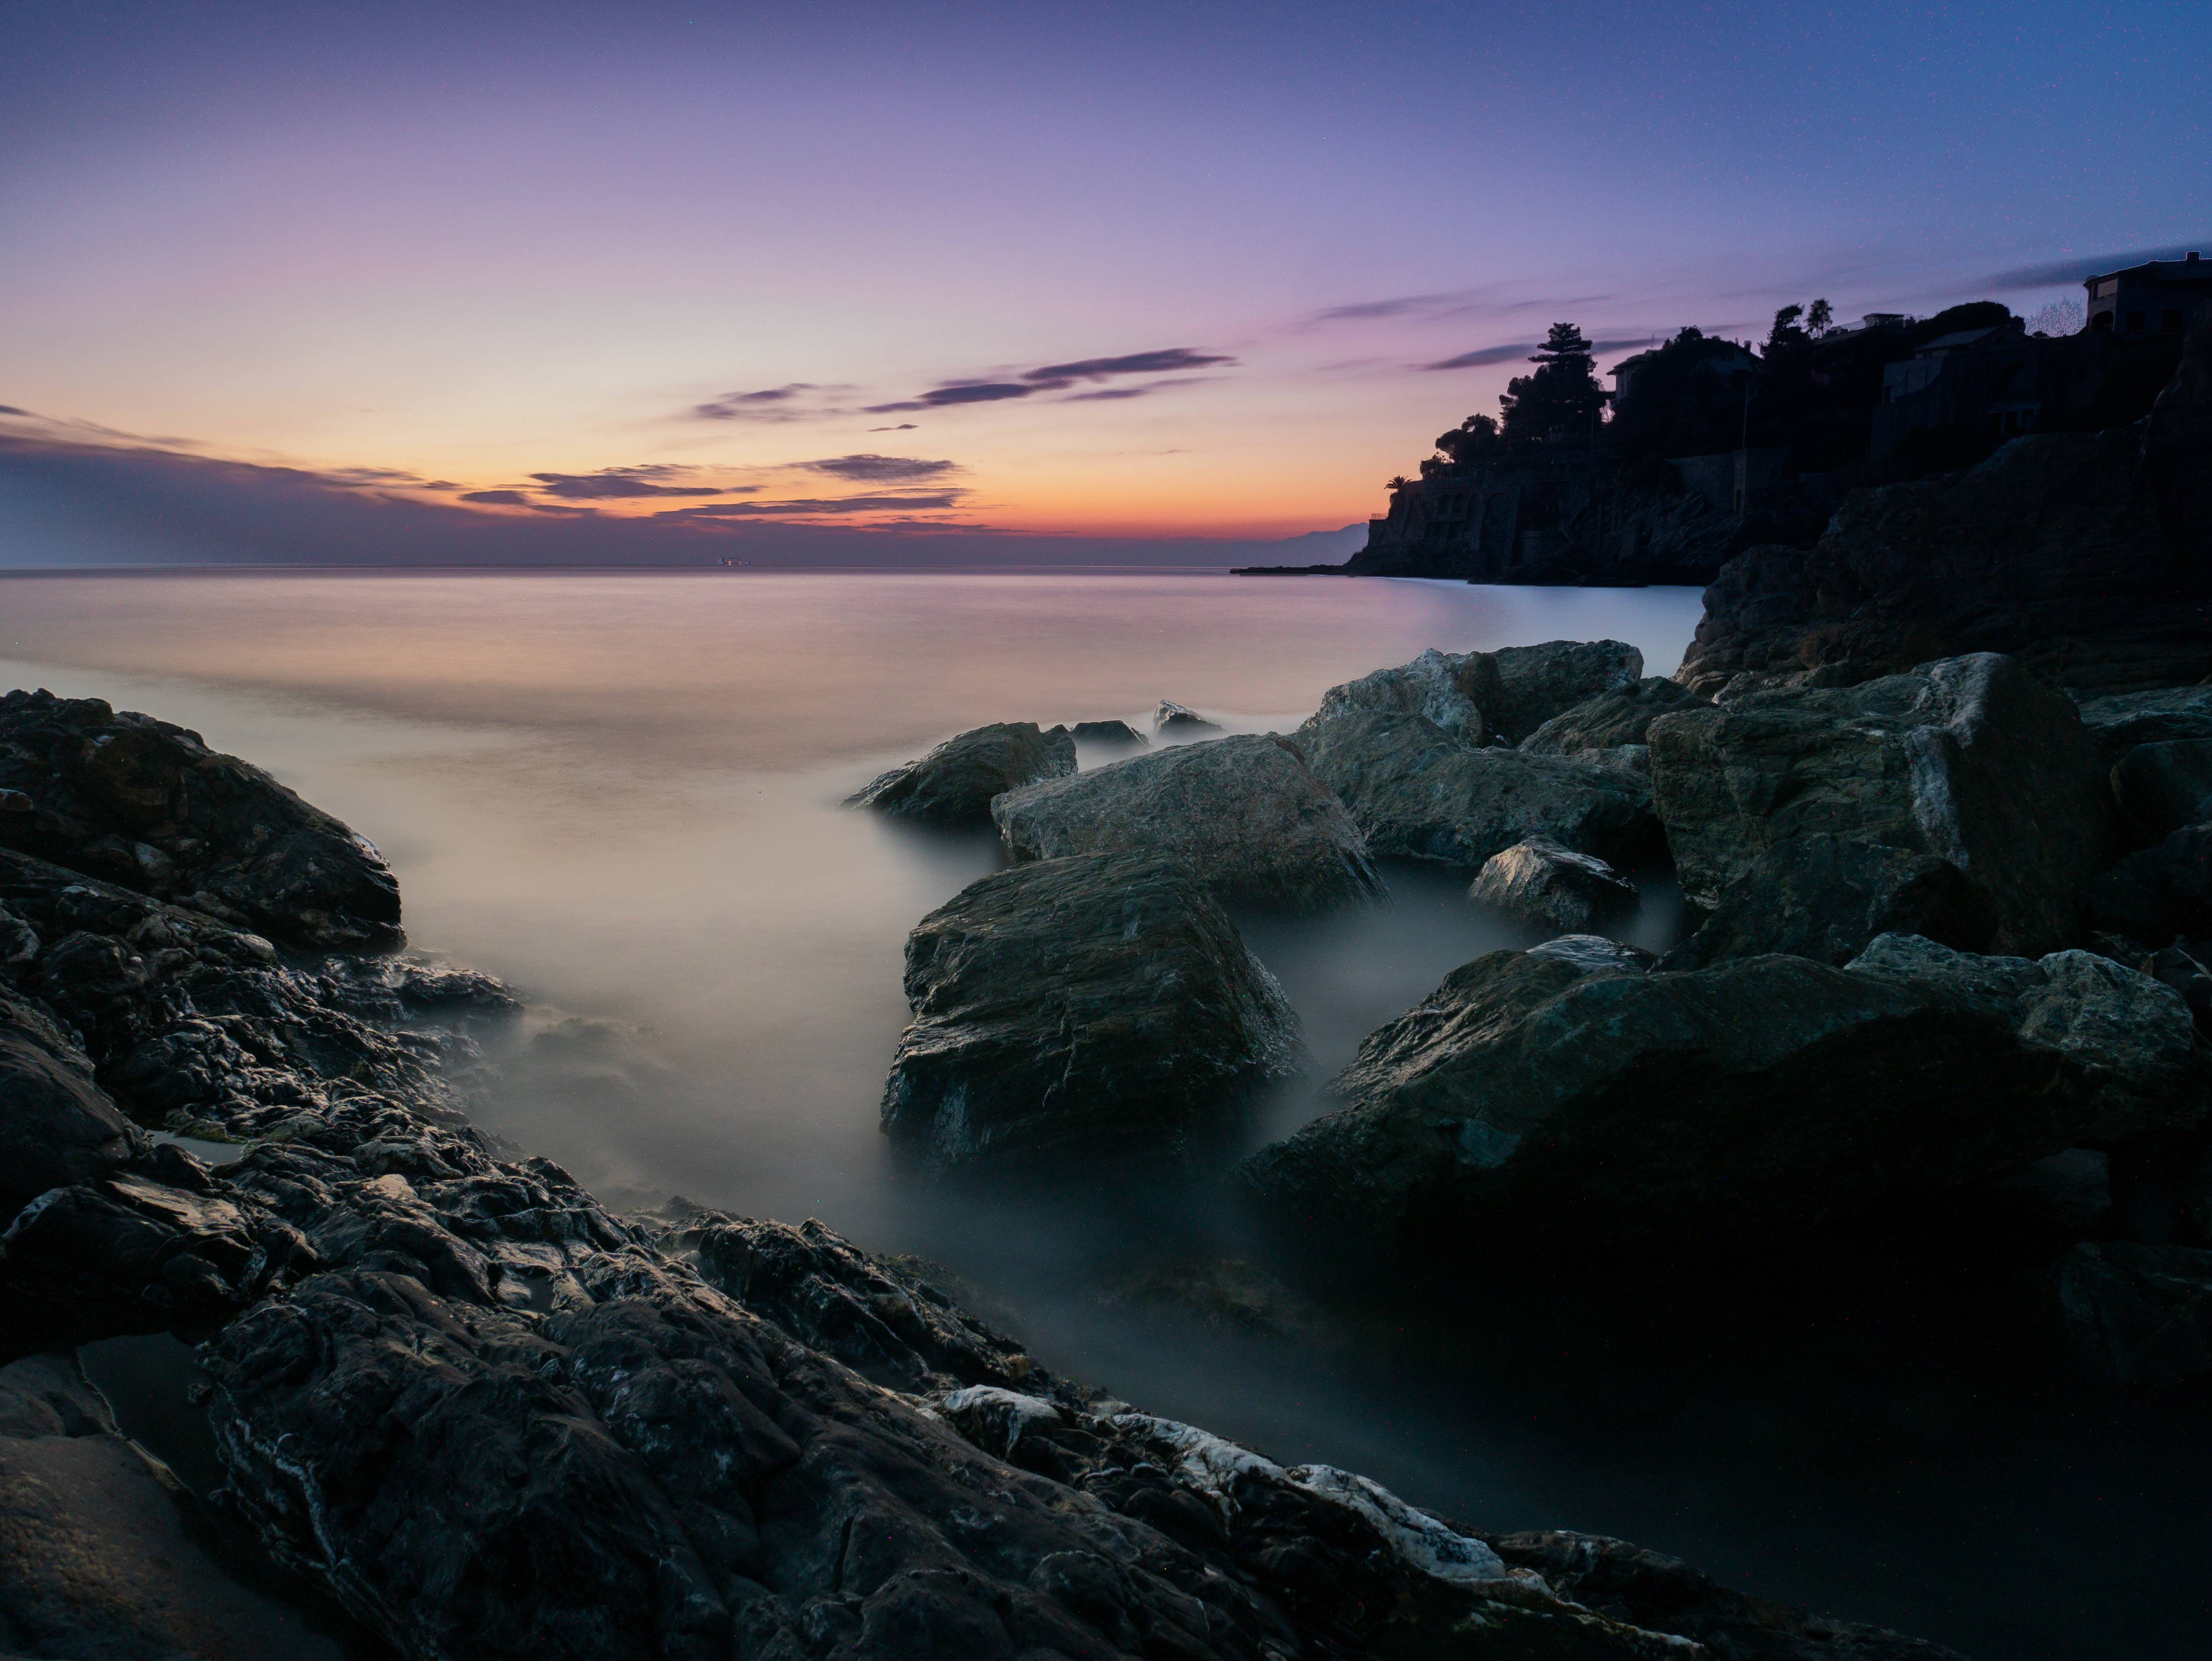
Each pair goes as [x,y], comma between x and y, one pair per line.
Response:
[1558,402]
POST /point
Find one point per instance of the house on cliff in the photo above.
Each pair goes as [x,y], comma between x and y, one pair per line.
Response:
[2161,297]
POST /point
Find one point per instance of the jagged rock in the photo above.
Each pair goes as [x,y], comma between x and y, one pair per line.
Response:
[57,1126]
[1630,1582]
[2158,893]
[1971,759]
[1826,898]
[2089,555]
[1483,697]
[149,806]
[1105,733]
[2119,723]
[2160,788]
[1181,723]
[2139,1314]
[101,1554]
[954,783]
[1585,952]
[1096,1001]
[1611,722]
[1244,815]
[1538,881]
[1418,793]
[1530,1100]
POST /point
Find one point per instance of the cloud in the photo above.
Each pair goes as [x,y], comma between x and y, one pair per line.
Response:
[1056,378]
[1489,355]
[10,409]
[904,502]
[2054,271]
[1368,310]
[902,427]
[769,404]
[1158,362]
[1106,394]
[880,470]
[640,481]
[498,498]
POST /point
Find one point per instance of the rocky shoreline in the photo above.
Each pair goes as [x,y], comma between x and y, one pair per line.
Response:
[1954,909]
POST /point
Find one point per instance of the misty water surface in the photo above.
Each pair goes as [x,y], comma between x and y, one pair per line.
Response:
[618,793]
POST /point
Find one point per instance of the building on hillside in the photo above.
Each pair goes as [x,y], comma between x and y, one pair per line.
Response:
[2161,297]
[1724,359]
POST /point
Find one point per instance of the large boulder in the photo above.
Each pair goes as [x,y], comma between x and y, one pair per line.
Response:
[1971,759]
[2162,786]
[2117,724]
[1828,897]
[1600,728]
[2138,1314]
[1178,723]
[1244,815]
[1099,1001]
[57,1126]
[2158,893]
[1540,882]
[1482,697]
[149,806]
[2088,554]
[954,783]
[1567,1110]
[1418,793]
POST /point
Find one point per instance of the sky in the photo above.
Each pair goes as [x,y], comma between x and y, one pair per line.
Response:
[379,280]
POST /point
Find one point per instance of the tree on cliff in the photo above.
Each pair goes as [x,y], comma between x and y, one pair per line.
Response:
[1558,402]
[1474,439]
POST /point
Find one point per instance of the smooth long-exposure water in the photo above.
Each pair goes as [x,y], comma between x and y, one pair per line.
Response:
[619,793]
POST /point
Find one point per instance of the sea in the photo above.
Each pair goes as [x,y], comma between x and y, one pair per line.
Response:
[620,793]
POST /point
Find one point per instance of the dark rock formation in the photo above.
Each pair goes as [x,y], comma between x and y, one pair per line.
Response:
[493,1419]
[1244,815]
[1418,793]
[1489,697]
[102,1556]
[2163,786]
[55,1127]
[1599,727]
[954,783]
[149,806]
[1971,759]
[1586,953]
[1094,1002]
[1178,723]
[1828,897]
[2160,892]
[1528,1099]
[1540,882]
[2139,1314]
[2088,555]
[2119,723]
[1110,732]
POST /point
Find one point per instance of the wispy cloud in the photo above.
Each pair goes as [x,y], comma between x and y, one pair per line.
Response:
[1056,377]
[880,470]
[2052,272]
[769,404]
[902,427]
[498,498]
[646,480]
[904,502]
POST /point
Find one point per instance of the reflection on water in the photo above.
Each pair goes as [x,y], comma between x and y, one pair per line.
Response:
[618,793]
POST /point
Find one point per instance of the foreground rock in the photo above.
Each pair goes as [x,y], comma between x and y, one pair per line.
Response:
[1528,1100]
[1602,727]
[1486,697]
[493,1419]
[150,807]
[954,783]
[2160,788]
[1828,897]
[1542,883]
[1177,722]
[1096,1002]
[2138,1314]
[1244,815]
[1110,734]
[1971,759]
[2089,555]
[2159,893]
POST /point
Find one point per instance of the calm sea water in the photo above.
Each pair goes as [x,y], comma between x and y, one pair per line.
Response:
[618,792]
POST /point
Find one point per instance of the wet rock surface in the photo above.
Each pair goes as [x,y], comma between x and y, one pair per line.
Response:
[1101,1002]
[2089,555]
[1828,897]
[1971,759]
[1540,882]
[1485,697]
[1531,1098]
[954,783]
[1244,815]
[1611,721]
[149,806]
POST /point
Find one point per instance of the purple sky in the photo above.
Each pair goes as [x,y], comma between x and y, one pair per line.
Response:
[973,271]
